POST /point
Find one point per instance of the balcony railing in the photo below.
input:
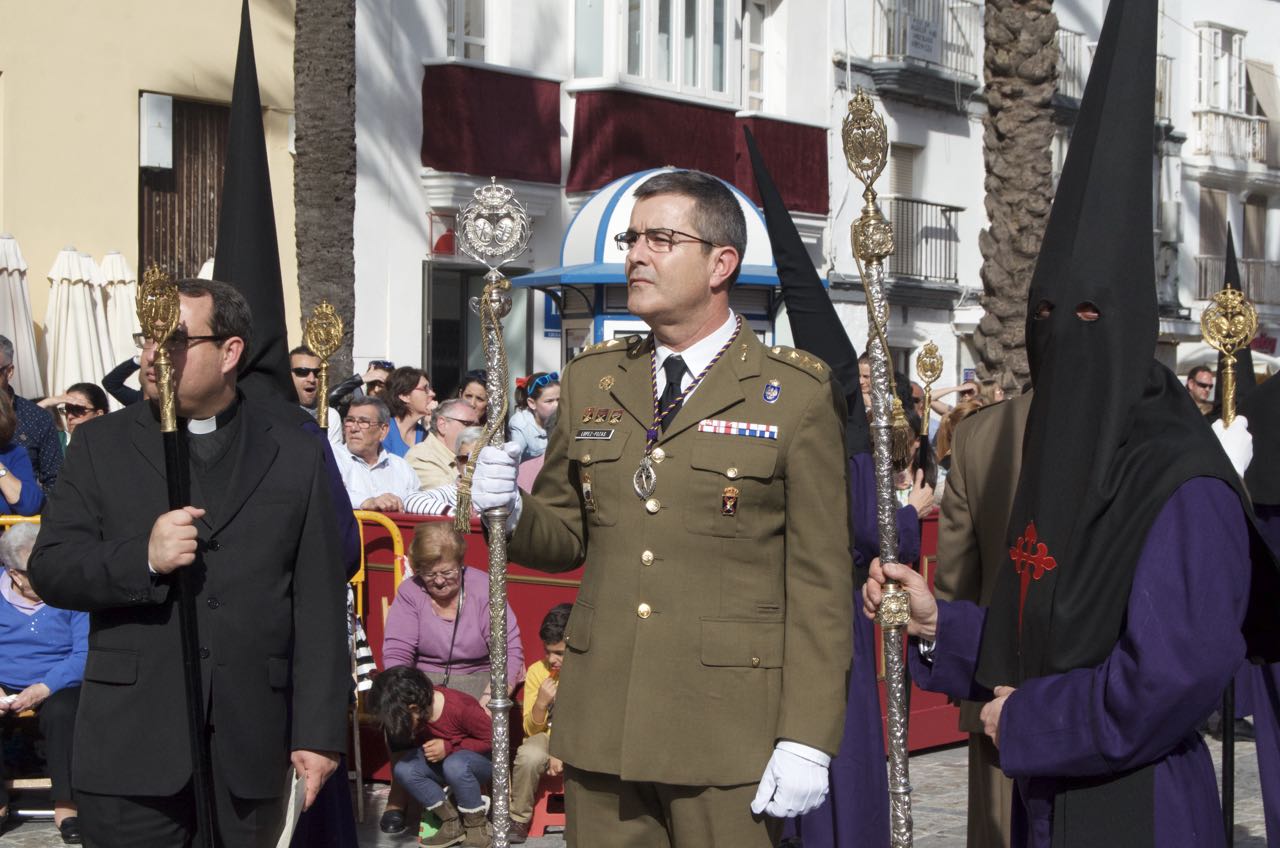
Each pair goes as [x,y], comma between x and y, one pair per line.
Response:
[1220,133]
[1164,87]
[1259,279]
[1073,66]
[1075,57]
[941,34]
[925,237]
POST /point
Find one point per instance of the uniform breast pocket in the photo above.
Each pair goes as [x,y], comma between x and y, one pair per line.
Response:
[600,472]
[734,488]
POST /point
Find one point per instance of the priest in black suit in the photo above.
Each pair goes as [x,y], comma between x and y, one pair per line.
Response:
[271,601]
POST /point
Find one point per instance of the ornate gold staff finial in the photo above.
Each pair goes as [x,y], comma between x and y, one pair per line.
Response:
[323,333]
[929,367]
[1228,324]
[158,318]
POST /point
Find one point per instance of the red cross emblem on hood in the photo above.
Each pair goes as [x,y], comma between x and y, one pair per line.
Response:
[1030,560]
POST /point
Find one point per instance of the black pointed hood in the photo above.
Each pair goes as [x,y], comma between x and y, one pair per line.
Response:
[1111,433]
[1246,382]
[248,255]
[815,326]
[1262,408]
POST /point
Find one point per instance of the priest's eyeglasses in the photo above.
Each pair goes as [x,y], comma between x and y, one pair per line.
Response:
[179,340]
[658,239]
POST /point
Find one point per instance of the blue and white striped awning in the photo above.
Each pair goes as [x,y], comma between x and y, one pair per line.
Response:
[588,255]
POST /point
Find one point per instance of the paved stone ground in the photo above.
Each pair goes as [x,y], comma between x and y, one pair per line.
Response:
[939,802]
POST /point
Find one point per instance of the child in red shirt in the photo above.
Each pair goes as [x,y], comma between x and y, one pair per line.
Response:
[447,737]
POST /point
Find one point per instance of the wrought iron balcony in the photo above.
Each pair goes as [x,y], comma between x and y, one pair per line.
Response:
[926,238]
[1075,57]
[1236,136]
[1164,87]
[1259,279]
[1073,63]
[939,34]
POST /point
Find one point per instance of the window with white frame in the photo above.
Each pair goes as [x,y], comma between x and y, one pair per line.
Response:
[466,29]
[682,45]
[755,12]
[1221,77]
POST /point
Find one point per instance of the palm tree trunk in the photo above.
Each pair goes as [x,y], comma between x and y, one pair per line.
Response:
[1021,75]
[324,79]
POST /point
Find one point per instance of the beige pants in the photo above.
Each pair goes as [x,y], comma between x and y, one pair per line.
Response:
[605,811]
[990,795]
[526,772]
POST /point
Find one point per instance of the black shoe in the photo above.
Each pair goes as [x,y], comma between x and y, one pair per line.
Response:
[70,830]
[1244,730]
[392,821]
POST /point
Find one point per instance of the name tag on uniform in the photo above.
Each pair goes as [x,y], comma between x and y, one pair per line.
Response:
[738,428]
[593,435]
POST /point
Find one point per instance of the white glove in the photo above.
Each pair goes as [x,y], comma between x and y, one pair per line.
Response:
[795,781]
[494,483]
[1237,441]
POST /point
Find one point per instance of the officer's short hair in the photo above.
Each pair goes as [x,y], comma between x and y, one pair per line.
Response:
[717,216]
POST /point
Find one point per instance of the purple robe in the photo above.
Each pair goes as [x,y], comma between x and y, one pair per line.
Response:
[1264,689]
[1141,706]
[856,813]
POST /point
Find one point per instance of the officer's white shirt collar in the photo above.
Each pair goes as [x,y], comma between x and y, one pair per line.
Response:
[698,355]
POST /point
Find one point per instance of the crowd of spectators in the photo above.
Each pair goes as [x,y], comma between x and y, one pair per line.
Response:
[398,448]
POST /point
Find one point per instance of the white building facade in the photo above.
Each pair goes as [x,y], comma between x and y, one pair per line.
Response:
[559,98]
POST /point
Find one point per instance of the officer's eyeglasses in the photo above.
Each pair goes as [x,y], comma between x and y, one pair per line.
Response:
[658,239]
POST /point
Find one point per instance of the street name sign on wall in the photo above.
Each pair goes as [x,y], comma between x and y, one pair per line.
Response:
[924,40]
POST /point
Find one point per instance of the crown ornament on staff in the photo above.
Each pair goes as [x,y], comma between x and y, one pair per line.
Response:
[323,333]
[158,318]
[493,229]
[1228,324]
[929,367]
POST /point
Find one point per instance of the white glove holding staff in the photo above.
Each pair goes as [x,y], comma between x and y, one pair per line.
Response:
[795,781]
[1237,441]
[494,483]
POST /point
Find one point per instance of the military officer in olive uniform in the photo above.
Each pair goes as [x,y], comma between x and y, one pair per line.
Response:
[699,475]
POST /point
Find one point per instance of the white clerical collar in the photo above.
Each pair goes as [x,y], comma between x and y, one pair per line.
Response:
[699,354]
[200,426]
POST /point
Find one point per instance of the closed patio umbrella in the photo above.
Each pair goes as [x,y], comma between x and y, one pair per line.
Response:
[15,319]
[75,323]
[121,293]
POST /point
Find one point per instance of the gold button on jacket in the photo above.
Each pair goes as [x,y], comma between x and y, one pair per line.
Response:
[752,643]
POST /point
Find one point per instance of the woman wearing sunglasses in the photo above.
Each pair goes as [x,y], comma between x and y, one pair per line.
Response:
[537,400]
[81,402]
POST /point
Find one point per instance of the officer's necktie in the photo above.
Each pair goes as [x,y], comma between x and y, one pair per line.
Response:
[675,369]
